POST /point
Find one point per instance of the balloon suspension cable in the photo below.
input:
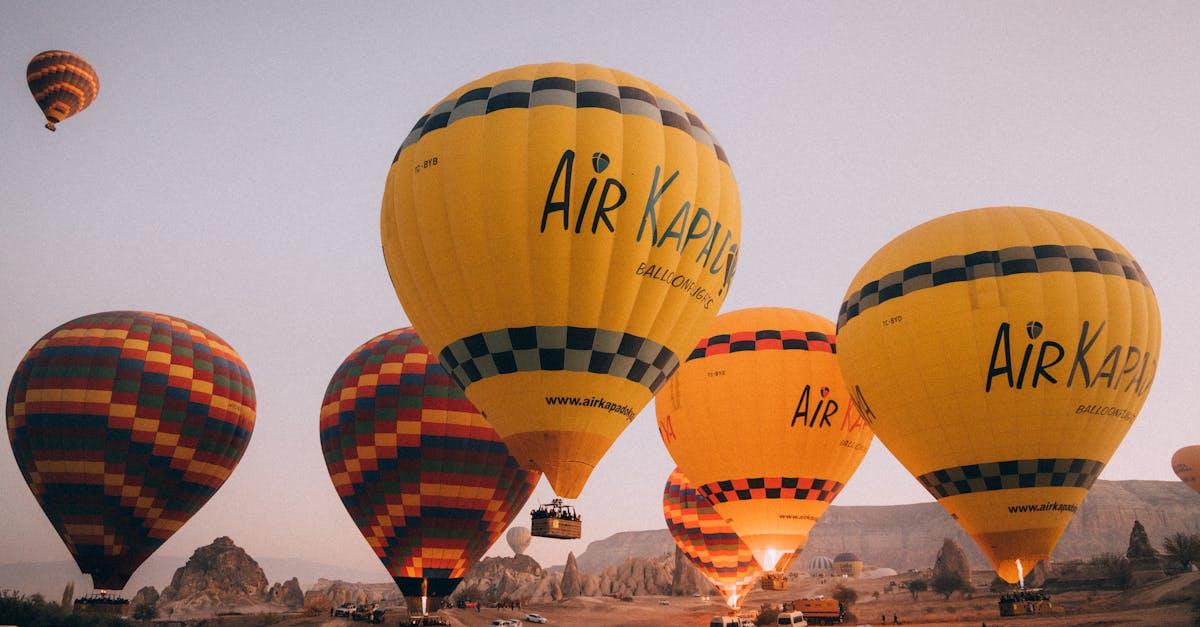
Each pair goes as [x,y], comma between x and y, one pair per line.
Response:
[1021,573]
[732,601]
[424,605]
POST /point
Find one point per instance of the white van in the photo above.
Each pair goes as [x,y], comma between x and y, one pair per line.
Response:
[730,621]
[792,618]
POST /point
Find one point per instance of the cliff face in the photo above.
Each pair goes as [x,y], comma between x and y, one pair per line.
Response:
[619,547]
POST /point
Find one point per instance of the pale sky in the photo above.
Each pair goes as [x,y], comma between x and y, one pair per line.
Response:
[231,172]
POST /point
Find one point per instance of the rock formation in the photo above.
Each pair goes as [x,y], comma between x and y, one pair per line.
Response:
[496,579]
[952,559]
[326,594]
[221,577]
[1143,559]
[147,596]
[570,584]
[686,579]
[638,576]
[287,594]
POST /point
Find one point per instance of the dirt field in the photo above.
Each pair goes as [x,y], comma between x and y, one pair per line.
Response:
[1157,604]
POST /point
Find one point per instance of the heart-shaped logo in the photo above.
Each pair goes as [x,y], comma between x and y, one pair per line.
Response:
[1034,329]
[599,162]
[824,392]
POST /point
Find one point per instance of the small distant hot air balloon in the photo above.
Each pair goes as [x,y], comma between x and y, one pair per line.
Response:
[1186,462]
[560,234]
[518,539]
[708,541]
[124,424]
[422,473]
[62,83]
[759,420]
[1002,354]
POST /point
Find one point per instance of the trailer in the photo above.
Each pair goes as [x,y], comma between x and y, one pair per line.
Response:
[819,611]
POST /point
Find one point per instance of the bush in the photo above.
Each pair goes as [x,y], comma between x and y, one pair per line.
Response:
[17,609]
[845,595]
[1116,568]
[1183,549]
[947,583]
[145,611]
[917,586]
[767,617]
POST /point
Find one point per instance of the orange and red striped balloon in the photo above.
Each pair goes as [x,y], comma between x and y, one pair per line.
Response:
[708,541]
[62,83]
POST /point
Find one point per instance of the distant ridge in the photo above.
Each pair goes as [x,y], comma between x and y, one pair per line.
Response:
[48,578]
[909,536]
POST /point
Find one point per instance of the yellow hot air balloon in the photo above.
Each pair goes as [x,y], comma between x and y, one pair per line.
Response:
[1186,462]
[559,234]
[760,421]
[1001,354]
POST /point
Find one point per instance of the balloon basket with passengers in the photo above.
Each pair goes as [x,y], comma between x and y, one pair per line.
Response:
[102,602]
[556,520]
[1027,601]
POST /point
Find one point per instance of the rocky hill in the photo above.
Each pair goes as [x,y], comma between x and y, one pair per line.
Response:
[221,577]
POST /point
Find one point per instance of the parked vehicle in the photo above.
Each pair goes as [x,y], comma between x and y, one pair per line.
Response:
[370,613]
[819,611]
[344,610]
[795,619]
[536,618]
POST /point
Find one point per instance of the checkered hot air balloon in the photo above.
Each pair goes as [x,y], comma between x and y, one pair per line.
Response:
[62,83]
[124,424]
[706,539]
[422,473]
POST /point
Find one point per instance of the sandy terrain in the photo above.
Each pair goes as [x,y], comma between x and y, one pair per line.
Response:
[1148,605]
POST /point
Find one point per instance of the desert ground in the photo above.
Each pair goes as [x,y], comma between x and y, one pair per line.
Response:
[1161,604]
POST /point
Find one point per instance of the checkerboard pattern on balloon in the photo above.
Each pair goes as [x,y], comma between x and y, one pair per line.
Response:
[425,477]
[124,424]
[707,539]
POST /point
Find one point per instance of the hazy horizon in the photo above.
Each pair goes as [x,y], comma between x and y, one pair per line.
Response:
[231,170]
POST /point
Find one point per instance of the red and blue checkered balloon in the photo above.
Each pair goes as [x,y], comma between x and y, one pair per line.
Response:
[124,424]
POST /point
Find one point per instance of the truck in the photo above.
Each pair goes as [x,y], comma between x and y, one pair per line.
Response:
[819,611]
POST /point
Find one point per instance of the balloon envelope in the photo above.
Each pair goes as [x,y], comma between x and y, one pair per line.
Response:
[124,424]
[760,421]
[424,476]
[1186,463]
[560,234]
[1001,354]
[706,540]
[62,83]
[518,539]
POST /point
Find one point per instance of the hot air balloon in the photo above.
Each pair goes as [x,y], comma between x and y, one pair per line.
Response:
[760,421]
[62,83]
[710,544]
[424,476]
[124,424]
[1001,354]
[1186,462]
[559,234]
[518,539]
